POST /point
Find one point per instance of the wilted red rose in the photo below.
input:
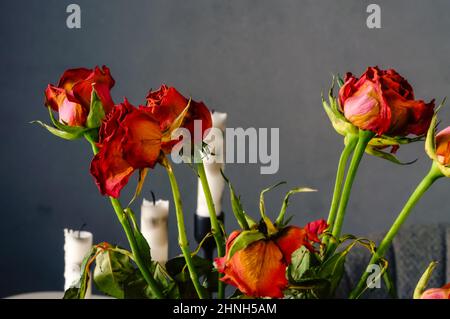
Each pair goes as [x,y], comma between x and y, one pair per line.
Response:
[437,293]
[71,98]
[129,139]
[166,104]
[443,146]
[382,101]
[259,269]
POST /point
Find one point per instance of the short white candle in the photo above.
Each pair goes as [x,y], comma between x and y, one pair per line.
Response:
[213,164]
[154,228]
[77,245]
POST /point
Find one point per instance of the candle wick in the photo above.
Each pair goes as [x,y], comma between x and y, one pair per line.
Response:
[153,198]
[80,229]
[213,110]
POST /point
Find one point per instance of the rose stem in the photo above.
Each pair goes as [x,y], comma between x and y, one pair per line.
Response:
[217,232]
[182,238]
[134,248]
[423,186]
[346,152]
[363,140]
[130,236]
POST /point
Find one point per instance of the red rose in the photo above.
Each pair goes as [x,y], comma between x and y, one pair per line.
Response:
[259,269]
[166,104]
[71,98]
[129,139]
[383,102]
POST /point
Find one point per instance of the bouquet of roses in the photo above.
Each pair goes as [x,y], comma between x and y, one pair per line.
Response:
[265,258]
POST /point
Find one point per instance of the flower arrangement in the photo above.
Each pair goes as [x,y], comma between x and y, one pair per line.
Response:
[265,258]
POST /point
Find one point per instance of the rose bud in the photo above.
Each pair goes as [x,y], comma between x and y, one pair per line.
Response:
[167,105]
[382,101]
[71,98]
[437,147]
[443,146]
[437,293]
[129,139]
[258,267]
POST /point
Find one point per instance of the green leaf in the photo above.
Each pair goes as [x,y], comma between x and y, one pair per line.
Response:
[72,293]
[78,291]
[245,221]
[142,244]
[177,269]
[112,271]
[177,265]
[333,270]
[96,111]
[244,239]
[280,219]
[300,264]
[137,288]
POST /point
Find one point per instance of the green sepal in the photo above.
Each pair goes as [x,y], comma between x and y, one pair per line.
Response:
[244,220]
[424,279]
[262,207]
[244,239]
[280,219]
[338,120]
[61,130]
[430,145]
[387,156]
[96,111]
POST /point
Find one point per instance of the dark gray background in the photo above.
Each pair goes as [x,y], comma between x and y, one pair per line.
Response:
[265,63]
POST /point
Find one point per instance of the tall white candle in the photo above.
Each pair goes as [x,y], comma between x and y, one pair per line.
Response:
[77,245]
[154,228]
[214,162]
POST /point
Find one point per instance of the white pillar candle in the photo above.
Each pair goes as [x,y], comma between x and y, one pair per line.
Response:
[154,228]
[77,245]
[214,162]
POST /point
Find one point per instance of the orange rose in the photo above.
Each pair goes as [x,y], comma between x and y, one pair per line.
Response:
[129,139]
[382,101]
[166,104]
[258,270]
[71,98]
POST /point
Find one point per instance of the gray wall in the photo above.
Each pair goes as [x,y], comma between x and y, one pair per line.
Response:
[263,62]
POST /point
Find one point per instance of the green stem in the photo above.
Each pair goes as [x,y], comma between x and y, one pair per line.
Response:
[363,139]
[350,145]
[182,238]
[423,186]
[216,231]
[130,236]
[134,248]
